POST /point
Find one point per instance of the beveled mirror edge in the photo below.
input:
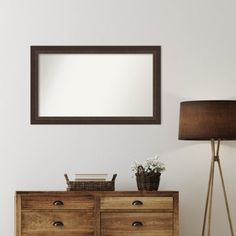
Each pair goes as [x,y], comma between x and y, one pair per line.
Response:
[155,119]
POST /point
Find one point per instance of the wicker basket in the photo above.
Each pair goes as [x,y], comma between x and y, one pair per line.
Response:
[147,181]
[90,185]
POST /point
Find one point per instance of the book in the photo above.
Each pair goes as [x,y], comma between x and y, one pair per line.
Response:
[96,180]
[91,177]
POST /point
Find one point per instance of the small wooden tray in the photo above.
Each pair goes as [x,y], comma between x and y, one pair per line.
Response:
[90,185]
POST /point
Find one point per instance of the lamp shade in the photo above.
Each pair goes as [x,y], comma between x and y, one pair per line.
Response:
[204,120]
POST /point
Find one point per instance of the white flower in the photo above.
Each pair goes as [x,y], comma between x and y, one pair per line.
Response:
[150,165]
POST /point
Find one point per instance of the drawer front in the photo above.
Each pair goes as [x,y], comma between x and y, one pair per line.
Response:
[57,223]
[137,224]
[57,202]
[137,203]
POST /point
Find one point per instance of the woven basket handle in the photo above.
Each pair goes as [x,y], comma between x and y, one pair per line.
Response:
[67,179]
[140,170]
[114,177]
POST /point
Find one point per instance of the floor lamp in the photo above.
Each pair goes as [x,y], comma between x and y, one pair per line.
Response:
[215,121]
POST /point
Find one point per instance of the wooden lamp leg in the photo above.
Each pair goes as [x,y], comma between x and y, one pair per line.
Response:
[209,192]
[208,206]
[226,200]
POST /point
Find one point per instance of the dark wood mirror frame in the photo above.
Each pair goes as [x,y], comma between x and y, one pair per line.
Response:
[37,119]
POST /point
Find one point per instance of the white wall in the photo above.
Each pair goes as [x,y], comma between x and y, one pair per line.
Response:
[198,62]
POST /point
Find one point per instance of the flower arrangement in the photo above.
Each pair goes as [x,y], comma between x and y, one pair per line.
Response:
[148,174]
[151,165]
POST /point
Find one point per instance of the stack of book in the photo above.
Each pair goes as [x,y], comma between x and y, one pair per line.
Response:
[91,177]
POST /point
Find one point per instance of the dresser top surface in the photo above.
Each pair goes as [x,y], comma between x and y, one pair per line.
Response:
[103,193]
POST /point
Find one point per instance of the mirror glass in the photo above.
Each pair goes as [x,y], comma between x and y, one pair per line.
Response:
[77,85]
[95,85]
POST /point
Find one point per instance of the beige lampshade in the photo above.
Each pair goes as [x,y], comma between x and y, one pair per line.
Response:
[204,120]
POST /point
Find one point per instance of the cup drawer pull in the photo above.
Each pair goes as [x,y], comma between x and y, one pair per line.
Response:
[137,203]
[58,203]
[137,224]
[58,224]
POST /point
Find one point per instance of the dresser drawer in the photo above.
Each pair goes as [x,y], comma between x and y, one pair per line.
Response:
[137,224]
[57,223]
[137,203]
[57,202]
[96,213]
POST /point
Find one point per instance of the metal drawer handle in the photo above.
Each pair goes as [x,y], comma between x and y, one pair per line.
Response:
[58,203]
[137,203]
[137,224]
[58,224]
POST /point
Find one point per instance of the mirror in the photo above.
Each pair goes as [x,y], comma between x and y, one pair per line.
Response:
[95,84]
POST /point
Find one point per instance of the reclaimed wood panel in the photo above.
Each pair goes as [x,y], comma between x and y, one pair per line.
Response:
[48,202]
[127,203]
[41,223]
[97,213]
[158,224]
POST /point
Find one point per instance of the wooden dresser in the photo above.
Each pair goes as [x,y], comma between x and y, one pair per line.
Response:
[97,213]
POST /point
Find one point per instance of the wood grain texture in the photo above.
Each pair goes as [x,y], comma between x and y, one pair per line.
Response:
[150,203]
[176,215]
[97,213]
[18,215]
[98,217]
[98,193]
[74,222]
[113,224]
[47,202]
[59,233]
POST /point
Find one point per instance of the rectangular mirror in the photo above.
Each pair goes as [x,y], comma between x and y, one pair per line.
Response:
[95,84]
